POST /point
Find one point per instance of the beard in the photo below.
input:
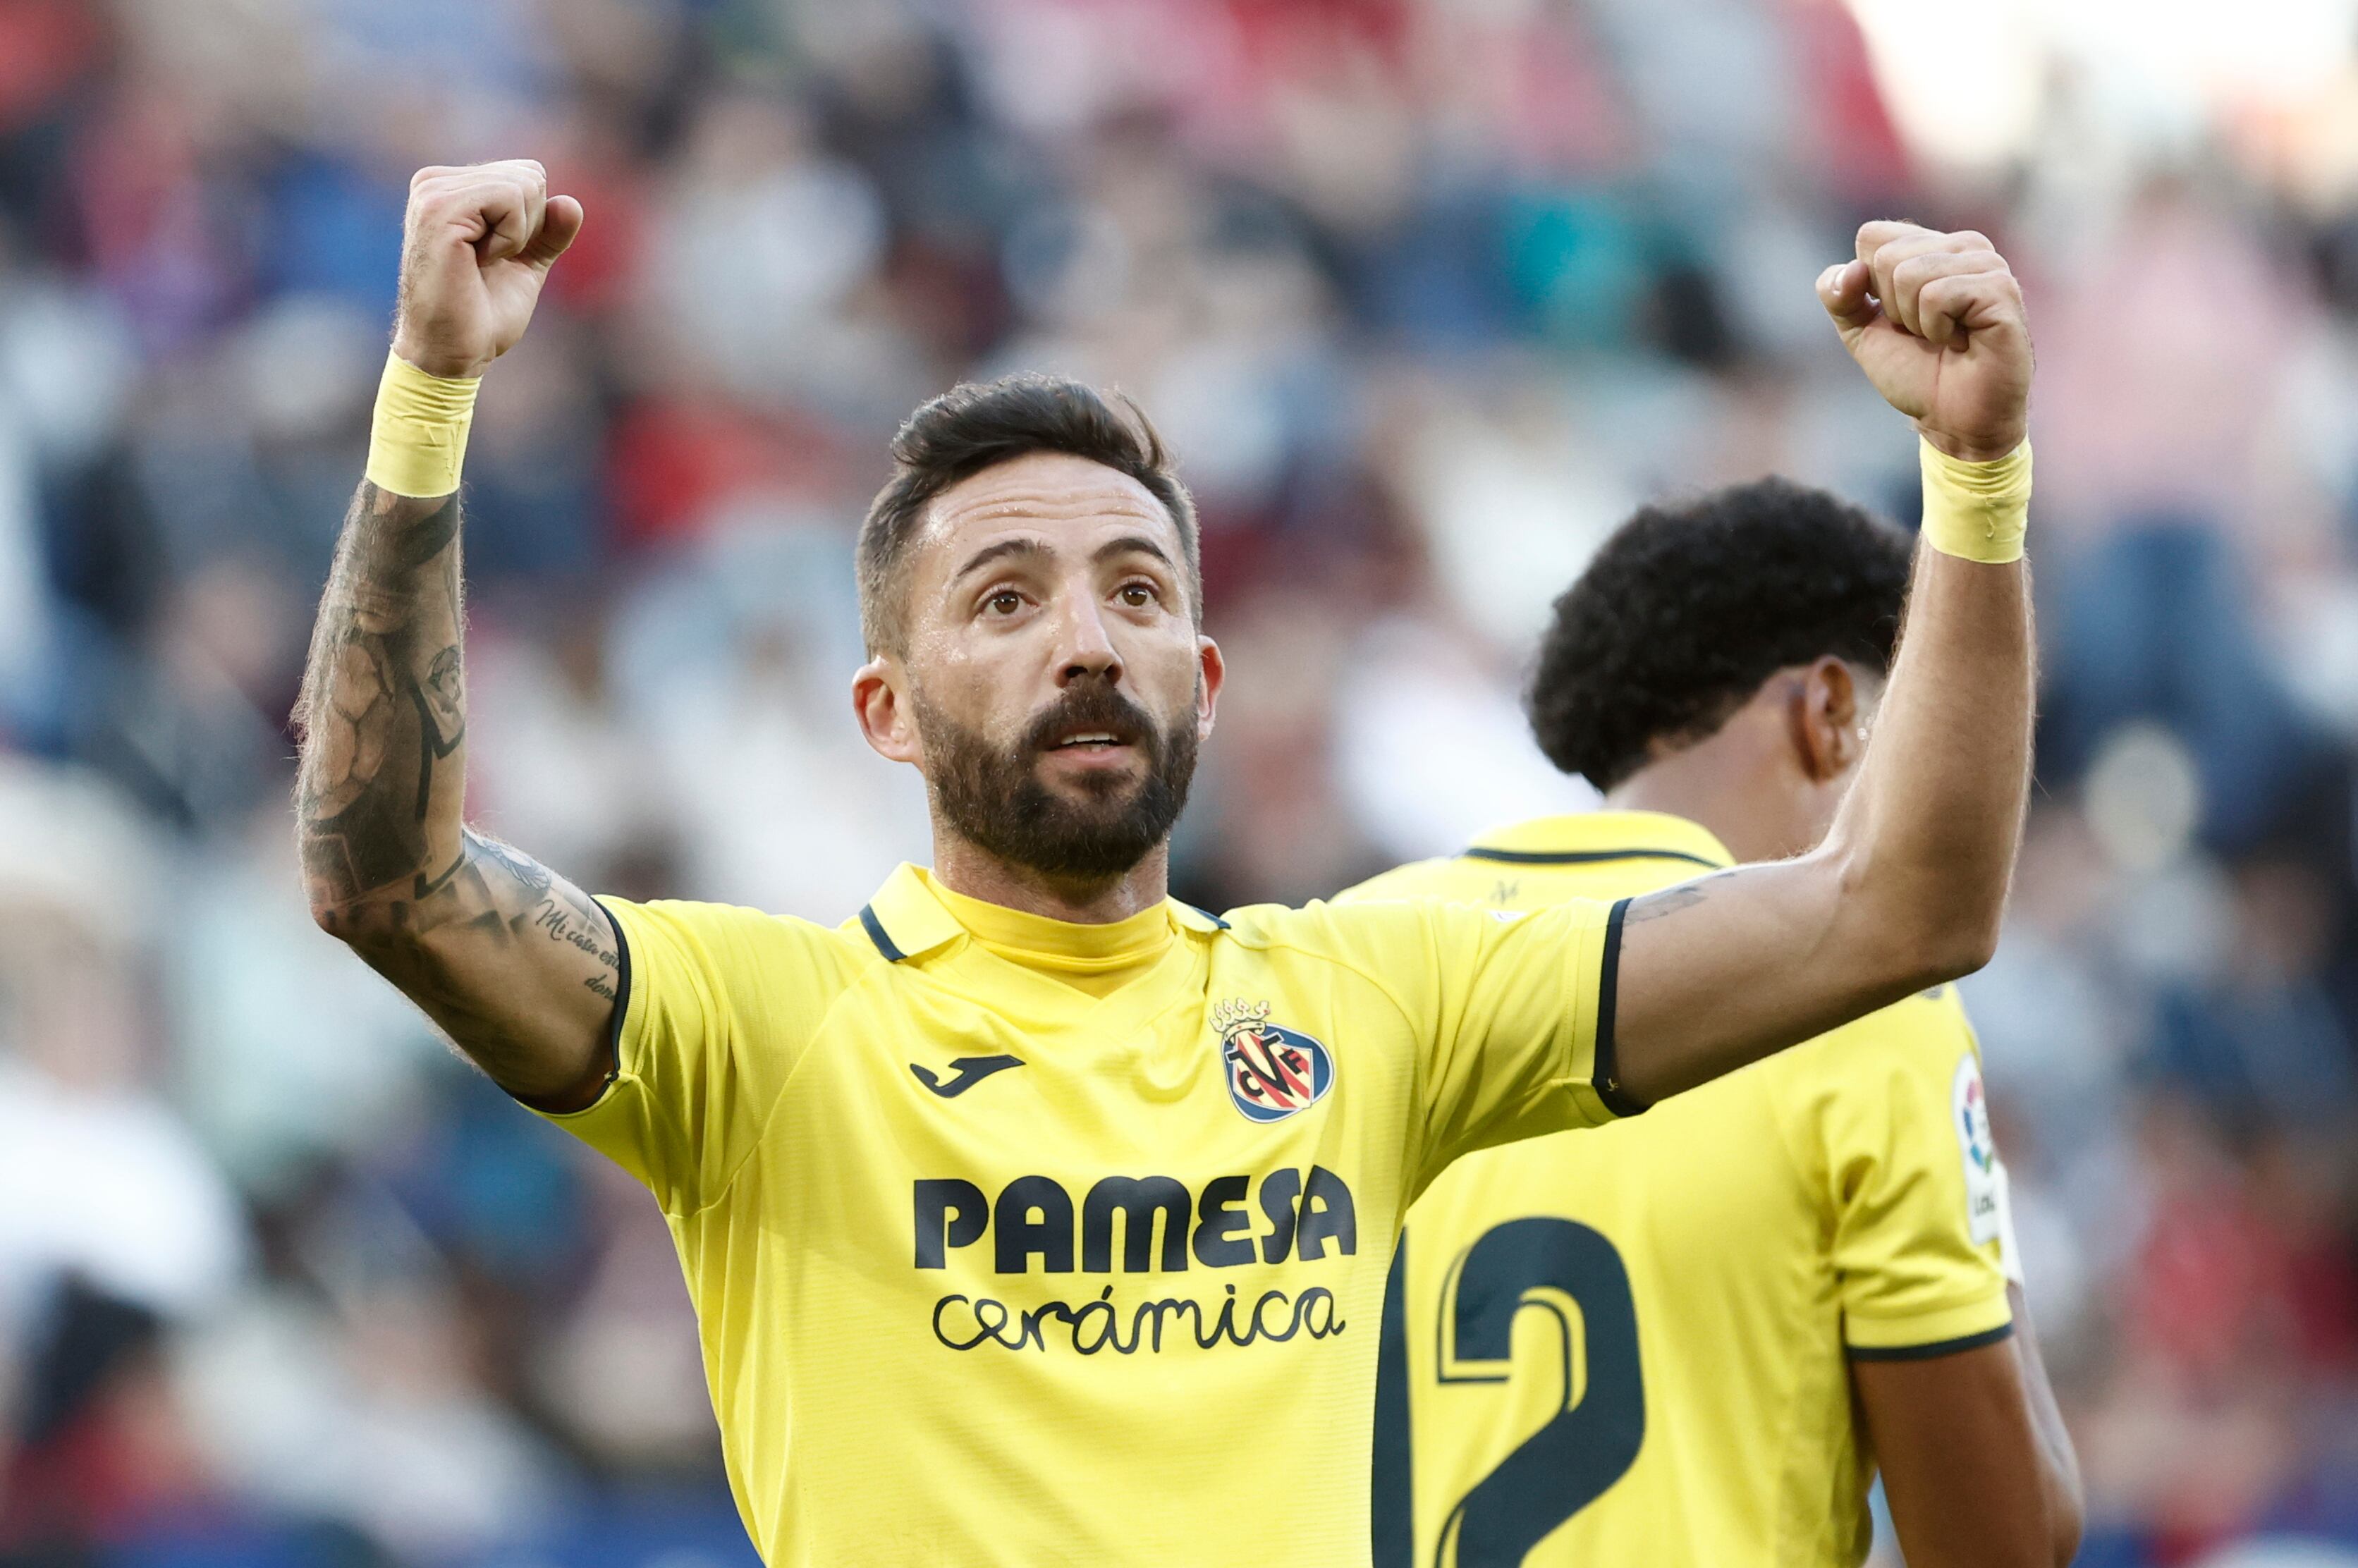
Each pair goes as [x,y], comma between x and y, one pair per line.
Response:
[993,797]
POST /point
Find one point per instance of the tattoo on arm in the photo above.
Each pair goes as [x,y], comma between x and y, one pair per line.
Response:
[1671,900]
[386,854]
[384,706]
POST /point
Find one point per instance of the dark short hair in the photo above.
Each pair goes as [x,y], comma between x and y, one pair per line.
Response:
[1688,608]
[980,425]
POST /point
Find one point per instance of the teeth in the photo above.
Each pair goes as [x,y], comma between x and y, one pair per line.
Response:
[1087,741]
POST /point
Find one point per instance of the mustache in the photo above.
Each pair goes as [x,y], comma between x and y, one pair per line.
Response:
[1092,707]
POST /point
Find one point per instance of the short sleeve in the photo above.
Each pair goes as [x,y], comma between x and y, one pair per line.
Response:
[1912,1184]
[1508,1012]
[718,1007]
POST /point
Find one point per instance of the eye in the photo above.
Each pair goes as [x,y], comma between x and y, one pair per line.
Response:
[1006,601]
[1137,594]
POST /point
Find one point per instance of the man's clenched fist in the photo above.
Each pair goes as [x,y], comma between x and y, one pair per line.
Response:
[476,243]
[1936,321]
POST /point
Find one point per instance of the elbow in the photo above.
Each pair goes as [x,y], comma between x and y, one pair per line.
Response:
[1936,957]
[332,916]
[2067,1517]
[1961,948]
[329,912]
[333,906]
[326,881]
[336,909]
[1929,928]
[340,904]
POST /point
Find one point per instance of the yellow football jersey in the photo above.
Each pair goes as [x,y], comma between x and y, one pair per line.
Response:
[991,1268]
[1677,1393]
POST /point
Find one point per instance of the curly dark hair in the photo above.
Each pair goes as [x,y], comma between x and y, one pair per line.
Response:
[977,426]
[1688,607]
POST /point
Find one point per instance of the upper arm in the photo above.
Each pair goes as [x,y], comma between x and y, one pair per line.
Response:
[1718,972]
[519,967]
[1961,1460]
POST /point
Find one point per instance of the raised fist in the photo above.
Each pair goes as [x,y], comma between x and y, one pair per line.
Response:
[476,243]
[1936,322]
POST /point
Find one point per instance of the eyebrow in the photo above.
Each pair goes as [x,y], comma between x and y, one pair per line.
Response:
[1129,543]
[999,551]
[1005,548]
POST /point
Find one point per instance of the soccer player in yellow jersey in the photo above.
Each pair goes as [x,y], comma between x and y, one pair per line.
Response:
[1688,1339]
[1032,1217]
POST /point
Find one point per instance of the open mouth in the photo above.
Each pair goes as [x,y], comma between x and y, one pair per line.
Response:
[1090,741]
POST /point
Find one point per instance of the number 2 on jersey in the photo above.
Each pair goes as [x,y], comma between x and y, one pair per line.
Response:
[1574,1275]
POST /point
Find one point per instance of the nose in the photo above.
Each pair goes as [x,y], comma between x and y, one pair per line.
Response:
[1087,648]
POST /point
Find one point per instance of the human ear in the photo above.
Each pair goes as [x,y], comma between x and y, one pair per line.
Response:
[1211,674]
[1829,729]
[882,710]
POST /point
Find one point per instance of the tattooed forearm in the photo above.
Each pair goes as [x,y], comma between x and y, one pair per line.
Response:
[520,967]
[384,711]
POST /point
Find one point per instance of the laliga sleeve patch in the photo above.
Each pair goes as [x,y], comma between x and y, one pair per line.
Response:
[1984,1177]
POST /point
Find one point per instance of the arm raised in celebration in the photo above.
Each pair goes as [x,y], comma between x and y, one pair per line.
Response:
[516,965]
[1907,889]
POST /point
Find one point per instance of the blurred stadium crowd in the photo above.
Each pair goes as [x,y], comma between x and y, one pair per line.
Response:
[1427,293]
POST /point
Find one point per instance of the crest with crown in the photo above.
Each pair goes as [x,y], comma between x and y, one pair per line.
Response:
[1236,1015]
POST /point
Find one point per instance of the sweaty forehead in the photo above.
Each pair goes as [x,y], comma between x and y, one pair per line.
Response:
[1044,493]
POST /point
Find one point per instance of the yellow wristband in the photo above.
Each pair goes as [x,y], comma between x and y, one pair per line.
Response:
[1977,511]
[419,438]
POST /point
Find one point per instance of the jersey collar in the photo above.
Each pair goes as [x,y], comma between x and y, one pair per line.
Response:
[1603,836]
[906,921]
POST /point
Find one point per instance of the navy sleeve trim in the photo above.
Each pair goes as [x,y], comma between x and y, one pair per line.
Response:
[1586,857]
[875,928]
[1606,1079]
[622,996]
[1997,1336]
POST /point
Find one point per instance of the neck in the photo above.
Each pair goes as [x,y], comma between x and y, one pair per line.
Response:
[963,866]
[1718,782]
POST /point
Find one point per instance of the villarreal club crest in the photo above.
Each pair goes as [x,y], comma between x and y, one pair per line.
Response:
[1272,1072]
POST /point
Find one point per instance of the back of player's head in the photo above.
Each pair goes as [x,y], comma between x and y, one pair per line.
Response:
[980,425]
[1688,608]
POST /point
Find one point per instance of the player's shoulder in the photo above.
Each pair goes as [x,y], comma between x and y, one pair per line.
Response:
[727,938]
[1346,933]
[1378,932]
[1317,926]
